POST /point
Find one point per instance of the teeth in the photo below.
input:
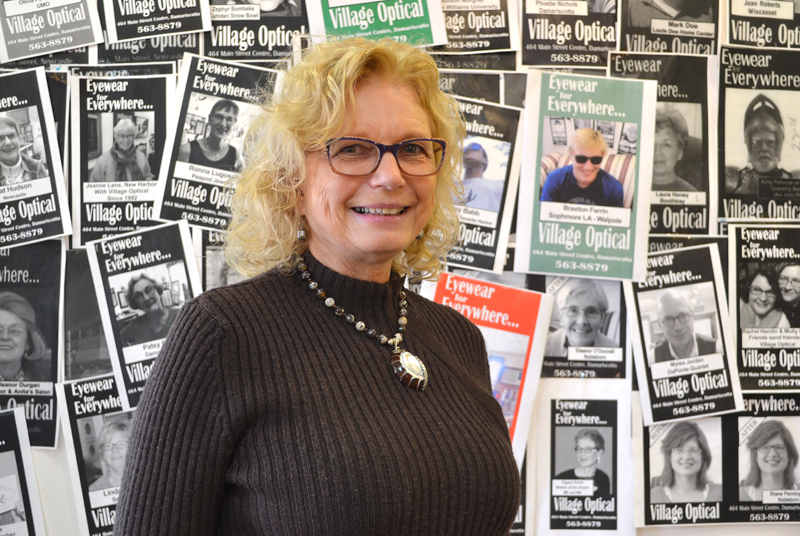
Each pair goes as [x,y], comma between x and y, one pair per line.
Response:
[380,211]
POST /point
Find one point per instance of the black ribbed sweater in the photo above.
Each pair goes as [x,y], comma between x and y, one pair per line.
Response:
[266,414]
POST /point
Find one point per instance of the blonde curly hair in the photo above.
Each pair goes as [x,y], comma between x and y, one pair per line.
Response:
[309,109]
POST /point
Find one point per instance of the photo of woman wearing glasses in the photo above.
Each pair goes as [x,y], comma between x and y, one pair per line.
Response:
[582,316]
[144,294]
[583,182]
[760,301]
[767,459]
[589,449]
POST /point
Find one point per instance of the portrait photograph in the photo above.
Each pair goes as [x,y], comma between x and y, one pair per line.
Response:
[685,461]
[680,317]
[639,13]
[125,148]
[104,445]
[23,157]
[678,164]
[586,314]
[759,139]
[485,165]
[148,301]
[585,450]
[29,323]
[213,132]
[769,295]
[768,456]
[507,353]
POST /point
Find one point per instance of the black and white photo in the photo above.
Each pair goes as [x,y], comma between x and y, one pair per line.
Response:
[671,26]
[20,507]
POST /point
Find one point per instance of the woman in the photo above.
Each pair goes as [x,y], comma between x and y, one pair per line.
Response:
[23,353]
[144,293]
[671,138]
[589,448]
[215,149]
[686,461]
[290,410]
[773,459]
[113,445]
[759,305]
[582,308]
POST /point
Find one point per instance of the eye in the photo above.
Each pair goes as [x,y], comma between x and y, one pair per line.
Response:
[351,149]
[417,148]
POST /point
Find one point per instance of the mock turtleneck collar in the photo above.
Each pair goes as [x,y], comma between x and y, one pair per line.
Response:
[376,304]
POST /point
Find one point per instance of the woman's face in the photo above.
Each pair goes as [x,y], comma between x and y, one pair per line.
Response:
[772,456]
[146,296]
[764,303]
[13,337]
[667,152]
[117,446]
[582,320]
[364,221]
[587,452]
[687,459]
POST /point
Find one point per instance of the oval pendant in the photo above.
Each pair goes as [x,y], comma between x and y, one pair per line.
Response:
[410,370]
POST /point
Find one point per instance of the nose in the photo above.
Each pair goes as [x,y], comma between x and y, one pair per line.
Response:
[387,174]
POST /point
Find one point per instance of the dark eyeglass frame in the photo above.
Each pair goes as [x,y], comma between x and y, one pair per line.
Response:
[758,291]
[383,149]
[581,159]
[683,318]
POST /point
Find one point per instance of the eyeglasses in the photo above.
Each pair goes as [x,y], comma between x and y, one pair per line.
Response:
[692,451]
[225,118]
[13,331]
[591,313]
[779,449]
[360,156]
[581,159]
[120,445]
[669,321]
[756,291]
[786,281]
[149,290]
[587,450]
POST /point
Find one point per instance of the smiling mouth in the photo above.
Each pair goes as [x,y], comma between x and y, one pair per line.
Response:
[380,211]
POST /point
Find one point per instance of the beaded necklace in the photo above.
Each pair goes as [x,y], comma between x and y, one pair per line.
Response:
[408,368]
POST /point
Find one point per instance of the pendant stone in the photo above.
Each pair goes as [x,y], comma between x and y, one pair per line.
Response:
[410,370]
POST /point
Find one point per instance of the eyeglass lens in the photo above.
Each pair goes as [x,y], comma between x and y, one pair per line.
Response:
[764,449]
[355,156]
[581,159]
[694,451]
[585,449]
[669,321]
[785,281]
[592,313]
[756,291]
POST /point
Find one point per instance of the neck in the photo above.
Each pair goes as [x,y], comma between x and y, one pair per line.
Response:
[13,164]
[586,471]
[215,144]
[154,319]
[9,371]
[683,349]
[114,476]
[472,173]
[377,271]
[664,178]
[772,481]
[685,483]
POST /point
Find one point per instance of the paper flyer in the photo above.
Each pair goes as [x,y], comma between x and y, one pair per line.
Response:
[118,137]
[566,33]
[770,24]
[683,198]
[417,22]
[141,280]
[97,431]
[33,201]
[209,251]
[119,69]
[679,27]
[57,85]
[161,48]
[20,508]
[475,26]
[31,294]
[588,332]
[664,242]
[480,85]
[127,20]
[491,154]
[759,159]
[85,345]
[203,150]
[731,469]
[586,219]
[764,305]
[74,55]
[254,31]
[681,337]
[514,325]
[36,28]
[582,484]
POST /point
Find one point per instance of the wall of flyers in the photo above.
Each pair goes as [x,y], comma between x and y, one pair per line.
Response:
[656,308]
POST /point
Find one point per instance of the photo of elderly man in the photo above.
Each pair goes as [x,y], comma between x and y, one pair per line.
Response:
[123,162]
[16,167]
[582,311]
[764,135]
[676,316]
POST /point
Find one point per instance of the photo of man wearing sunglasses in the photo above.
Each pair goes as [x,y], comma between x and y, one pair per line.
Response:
[583,182]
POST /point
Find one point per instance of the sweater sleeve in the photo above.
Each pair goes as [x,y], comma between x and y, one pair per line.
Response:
[181,441]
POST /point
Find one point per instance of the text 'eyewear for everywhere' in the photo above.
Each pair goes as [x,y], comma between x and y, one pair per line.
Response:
[581,159]
[360,156]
